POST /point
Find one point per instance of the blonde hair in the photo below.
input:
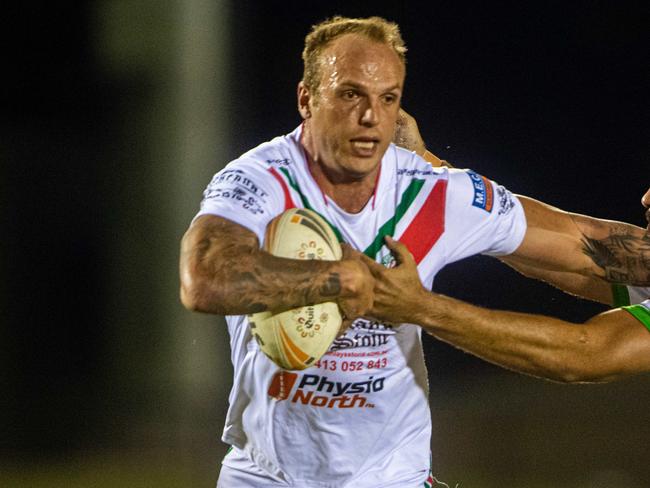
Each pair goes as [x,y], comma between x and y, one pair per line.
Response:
[374,28]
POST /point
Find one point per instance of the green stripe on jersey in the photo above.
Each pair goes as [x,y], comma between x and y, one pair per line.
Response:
[620,295]
[639,312]
[388,229]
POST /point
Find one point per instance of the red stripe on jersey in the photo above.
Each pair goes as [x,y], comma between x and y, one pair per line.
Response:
[288,201]
[428,225]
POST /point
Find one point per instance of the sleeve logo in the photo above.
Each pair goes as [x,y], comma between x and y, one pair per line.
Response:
[236,186]
[483,193]
[506,203]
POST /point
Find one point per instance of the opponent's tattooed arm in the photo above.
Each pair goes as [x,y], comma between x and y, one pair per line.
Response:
[560,241]
[224,271]
[623,254]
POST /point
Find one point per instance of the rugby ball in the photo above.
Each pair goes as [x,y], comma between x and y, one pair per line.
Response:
[297,338]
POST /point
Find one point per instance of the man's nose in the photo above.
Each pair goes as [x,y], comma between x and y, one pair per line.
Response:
[370,113]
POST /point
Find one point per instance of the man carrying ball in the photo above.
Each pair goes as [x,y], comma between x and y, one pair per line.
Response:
[343,423]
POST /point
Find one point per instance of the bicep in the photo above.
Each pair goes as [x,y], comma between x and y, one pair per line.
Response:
[211,236]
[210,246]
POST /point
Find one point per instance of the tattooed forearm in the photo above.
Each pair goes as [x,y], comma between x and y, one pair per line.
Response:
[223,271]
[265,282]
[332,286]
[623,255]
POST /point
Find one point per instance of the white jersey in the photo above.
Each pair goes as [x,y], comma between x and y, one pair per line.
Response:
[360,416]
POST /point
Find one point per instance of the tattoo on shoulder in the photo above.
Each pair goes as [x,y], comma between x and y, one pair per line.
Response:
[624,255]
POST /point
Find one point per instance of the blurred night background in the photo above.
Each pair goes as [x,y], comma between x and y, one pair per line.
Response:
[115,114]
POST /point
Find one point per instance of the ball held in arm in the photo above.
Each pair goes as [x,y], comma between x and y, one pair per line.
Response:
[297,338]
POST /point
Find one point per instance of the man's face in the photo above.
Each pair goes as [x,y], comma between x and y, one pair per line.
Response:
[351,117]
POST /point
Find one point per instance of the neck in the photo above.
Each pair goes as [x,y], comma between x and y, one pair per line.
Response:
[351,192]
[351,195]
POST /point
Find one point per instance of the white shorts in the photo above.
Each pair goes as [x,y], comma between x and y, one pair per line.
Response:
[240,472]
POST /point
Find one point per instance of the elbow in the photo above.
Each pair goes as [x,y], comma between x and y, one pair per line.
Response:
[583,377]
[580,370]
[196,295]
[572,377]
[584,358]
[191,298]
[191,295]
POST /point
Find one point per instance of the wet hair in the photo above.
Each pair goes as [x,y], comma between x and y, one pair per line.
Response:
[322,34]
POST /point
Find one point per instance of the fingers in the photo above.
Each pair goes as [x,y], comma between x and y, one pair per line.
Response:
[433,160]
[350,253]
[399,250]
[373,265]
[402,254]
[645,199]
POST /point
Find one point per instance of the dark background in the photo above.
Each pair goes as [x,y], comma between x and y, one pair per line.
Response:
[108,381]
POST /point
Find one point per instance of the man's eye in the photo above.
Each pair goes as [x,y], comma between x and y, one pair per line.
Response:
[349,94]
[389,99]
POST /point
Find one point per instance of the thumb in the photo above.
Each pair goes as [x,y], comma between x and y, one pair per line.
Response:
[645,200]
[400,251]
[374,267]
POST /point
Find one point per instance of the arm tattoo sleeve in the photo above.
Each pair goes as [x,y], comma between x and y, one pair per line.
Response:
[624,254]
[247,281]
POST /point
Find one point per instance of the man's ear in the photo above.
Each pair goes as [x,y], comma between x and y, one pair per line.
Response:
[304,99]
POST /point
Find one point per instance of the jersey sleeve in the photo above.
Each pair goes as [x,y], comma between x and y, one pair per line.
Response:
[641,312]
[637,294]
[483,217]
[246,193]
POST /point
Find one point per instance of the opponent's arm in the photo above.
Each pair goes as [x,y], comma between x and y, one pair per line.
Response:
[561,241]
[224,271]
[584,286]
[560,247]
[609,346]
[576,284]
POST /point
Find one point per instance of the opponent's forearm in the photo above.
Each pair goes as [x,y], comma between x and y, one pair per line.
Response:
[531,344]
[621,250]
[560,241]
[576,284]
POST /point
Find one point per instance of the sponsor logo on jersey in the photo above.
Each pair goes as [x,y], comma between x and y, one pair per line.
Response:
[364,333]
[282,384]
[506,203]
[235,185]
[318,391]
[483,194]
[279,162]
[416,172]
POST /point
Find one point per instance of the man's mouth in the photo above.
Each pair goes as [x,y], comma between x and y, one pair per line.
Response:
[364,146]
